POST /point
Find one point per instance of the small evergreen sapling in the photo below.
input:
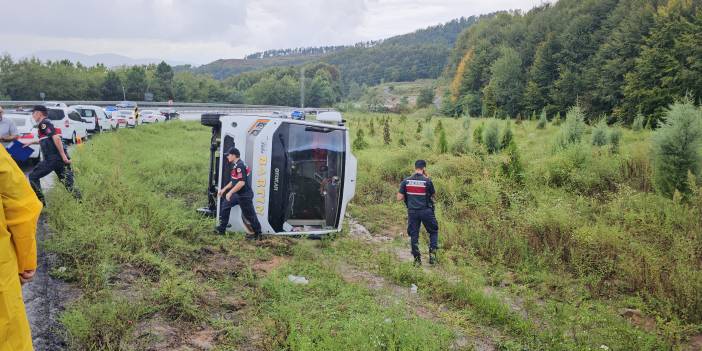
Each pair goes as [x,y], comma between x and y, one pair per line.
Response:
[360,142]
[599,133]
[543,120]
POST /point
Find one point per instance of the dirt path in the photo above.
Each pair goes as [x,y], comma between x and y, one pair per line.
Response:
[45,298]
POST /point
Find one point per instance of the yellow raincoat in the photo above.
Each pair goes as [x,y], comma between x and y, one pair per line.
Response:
[19,211]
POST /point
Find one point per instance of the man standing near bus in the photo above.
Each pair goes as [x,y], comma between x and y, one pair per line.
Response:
[417,191]
[55,155]
[238,192]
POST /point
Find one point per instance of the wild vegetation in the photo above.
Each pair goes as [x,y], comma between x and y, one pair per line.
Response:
[542,247]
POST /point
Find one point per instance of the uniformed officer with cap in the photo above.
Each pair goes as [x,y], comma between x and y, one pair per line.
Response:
[417,191]
[54,154]
[238,192]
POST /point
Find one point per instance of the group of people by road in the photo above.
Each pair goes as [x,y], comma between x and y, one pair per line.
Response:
[21,202]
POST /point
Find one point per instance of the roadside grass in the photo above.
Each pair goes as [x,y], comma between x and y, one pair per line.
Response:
[583,235]
[152,275]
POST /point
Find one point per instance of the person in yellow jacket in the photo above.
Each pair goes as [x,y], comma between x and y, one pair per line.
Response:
[19,212]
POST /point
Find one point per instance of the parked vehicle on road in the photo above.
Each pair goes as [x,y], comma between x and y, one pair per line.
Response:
[127,104]
[125,118]
[152,116]
[54,104]
[26,130]
[69,122]
[94,117]
[298,115]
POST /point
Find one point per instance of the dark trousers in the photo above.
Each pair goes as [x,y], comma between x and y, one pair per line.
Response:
[426,217]
[247,210]
[62,170]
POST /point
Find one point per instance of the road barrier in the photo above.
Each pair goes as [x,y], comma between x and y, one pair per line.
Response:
[193,107]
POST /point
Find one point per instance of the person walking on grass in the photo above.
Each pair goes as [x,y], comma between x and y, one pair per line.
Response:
[238,192]
[19,212]
[55,156]
[417,191]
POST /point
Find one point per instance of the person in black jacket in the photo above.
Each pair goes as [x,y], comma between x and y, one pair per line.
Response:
[238,192]
[417,191]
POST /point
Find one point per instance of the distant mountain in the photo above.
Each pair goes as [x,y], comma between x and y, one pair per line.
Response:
[420,54]
[109,60]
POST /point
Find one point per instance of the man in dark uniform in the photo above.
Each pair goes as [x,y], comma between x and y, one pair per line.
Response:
[54,153]
[238,192]
[417,191]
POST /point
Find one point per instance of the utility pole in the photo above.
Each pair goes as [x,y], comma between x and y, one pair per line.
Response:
[124,94]
[302,87]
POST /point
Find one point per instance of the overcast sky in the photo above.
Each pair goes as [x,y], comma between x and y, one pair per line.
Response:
[200,31]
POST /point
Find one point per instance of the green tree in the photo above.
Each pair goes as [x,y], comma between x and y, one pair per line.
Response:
[443,143]
[386,133]
[599,133]
[360,142]
[491,137]
[426,97]
[572,130]
[507,135]
[162,86]
[512,168]
[111,89]
[135,83]
[543,120]
[506,83]
[676,148]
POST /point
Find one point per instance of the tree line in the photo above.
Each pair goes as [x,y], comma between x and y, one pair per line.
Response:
[617,58]
[63,80]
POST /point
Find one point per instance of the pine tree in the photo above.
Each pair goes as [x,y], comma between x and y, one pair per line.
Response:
[386,132]
[371,127]
[360,142]
[401,140]
[443,143]
[599,133]
[543,120]
[676,148]
[478,133]
[615,137]
[491,137]
[462,143]
[573,128]
[507,135]
[513,168]
[419,127]
[428,136]
[637,125]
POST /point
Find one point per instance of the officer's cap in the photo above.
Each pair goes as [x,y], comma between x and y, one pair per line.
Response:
[233,151]
[40,108]
[420,164]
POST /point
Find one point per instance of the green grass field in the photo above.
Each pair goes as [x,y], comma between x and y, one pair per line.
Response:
[578,253]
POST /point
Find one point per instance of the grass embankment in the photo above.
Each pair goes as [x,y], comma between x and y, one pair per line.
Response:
[154,277]
[579,238]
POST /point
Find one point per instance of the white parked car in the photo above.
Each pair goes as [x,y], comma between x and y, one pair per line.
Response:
[69,122]
[125,118]
[94,117]
[26,130]
[54,104]
[152,116]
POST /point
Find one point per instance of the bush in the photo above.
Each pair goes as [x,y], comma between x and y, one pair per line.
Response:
[573,128]
[599,134]
[428,136]
[543,120]
[443,144]
[512,168]
[478,133]
[638,123]
[426,97]
[386,133]
[507,135]
[557,120]
[676,148]
[491,137]
[360,142]
[615,137]
[419,127]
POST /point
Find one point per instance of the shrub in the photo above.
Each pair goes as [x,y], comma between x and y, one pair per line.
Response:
[428,136]
[573,128]
[543,120]
[512,168]
[507,135]
[443,144]
[615,137]
[478,133]
[386,133]
[676,148]
[599,134]
[360,142]
[557,120]
[419,127]
[638,123]
[491,137]
[371,127]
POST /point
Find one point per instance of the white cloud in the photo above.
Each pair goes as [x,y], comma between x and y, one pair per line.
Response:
[200,31]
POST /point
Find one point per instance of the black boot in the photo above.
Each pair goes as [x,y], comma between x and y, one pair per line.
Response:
[432,257]
[417,261]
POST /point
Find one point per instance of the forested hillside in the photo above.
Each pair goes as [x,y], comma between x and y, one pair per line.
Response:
[614,57]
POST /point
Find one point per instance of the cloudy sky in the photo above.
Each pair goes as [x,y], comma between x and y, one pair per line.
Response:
[200,31]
